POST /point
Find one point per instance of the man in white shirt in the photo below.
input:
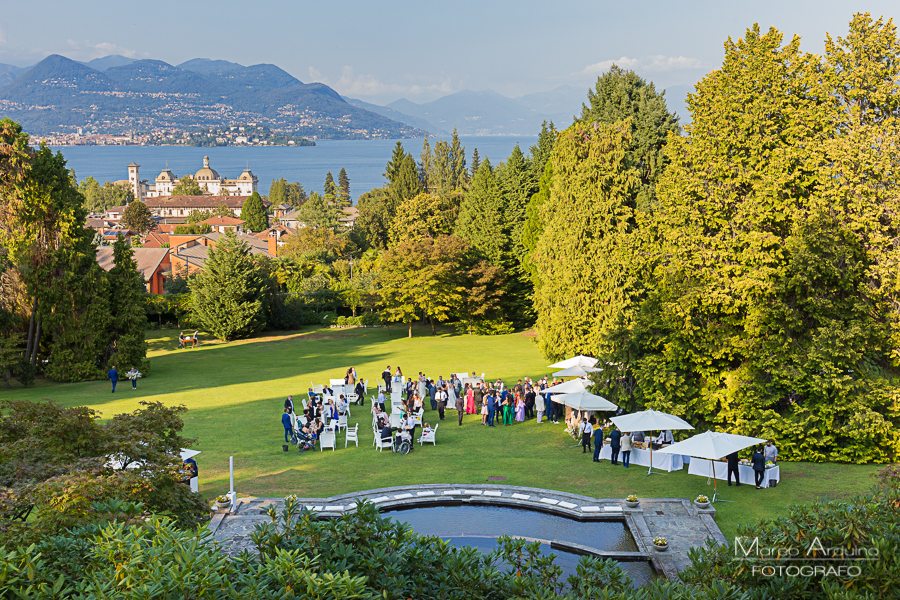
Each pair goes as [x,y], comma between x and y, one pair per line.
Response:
[380,400]
[770,452]
[587,430]
[408,424]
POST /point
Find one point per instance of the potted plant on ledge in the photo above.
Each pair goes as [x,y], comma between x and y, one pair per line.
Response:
[631,501]
[702,501]
[222,502]
[660,544]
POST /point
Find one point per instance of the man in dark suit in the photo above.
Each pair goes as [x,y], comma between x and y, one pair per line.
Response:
[386,375]
[460,406]
[758,462]
[615,444]
[733,467]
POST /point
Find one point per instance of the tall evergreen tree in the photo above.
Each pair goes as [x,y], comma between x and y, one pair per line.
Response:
[227,296]
[621,95]
[254,213]
[476,163]
[425,215]
[317,212]
[406,184]
[278,191]
[426,159]
[376,211]
[481,218]
[331,190]
[393,165]
[127,295]
[460,177]
[344,187]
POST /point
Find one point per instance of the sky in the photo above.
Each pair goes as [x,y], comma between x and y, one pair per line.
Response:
[383,51]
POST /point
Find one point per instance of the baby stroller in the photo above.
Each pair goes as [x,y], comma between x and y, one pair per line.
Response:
[403,442]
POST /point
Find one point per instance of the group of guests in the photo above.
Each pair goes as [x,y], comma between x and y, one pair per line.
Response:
[759,458]
[183,340]
[316,413]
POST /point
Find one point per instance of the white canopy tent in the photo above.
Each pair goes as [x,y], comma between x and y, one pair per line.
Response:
[575,361]
[713,445]
[650,420]
[576,371]
[569,387]
[587,401]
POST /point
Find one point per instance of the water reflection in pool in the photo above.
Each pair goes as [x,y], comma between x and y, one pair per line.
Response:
[478,526]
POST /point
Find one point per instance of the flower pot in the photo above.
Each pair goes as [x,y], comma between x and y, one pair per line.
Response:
[703,505]
[223,505]
[660,548]
[631,504]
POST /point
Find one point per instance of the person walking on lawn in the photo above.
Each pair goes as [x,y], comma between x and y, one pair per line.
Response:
[114,377]
[286,422]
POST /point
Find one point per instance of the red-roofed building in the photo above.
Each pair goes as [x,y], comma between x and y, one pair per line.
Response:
[225,224]
[151,263]
[156,240]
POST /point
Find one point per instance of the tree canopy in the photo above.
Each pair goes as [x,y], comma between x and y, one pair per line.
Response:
[254,213]
[187,186]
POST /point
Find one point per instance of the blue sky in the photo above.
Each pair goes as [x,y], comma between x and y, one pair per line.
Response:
[381,51]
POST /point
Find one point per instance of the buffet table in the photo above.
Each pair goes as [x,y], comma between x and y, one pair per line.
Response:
[661,460]
[702,467]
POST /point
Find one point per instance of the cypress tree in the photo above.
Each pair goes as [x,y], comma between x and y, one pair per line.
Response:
[481,218]
[126,302]
[344,185]
[227,296]
[393,166]
[476,163]
[254,213]
[406,183]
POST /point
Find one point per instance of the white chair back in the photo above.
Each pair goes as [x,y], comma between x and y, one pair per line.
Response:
[342,422]
[318,388]
[327,440]
[381,444]
[395,419]
[352,435]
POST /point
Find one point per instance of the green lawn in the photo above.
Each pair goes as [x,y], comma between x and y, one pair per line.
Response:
[235,392]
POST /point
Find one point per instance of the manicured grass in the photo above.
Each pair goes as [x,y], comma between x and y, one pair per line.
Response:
[235,392]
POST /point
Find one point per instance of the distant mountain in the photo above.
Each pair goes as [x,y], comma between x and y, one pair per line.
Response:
[113,60]
[59,94]
[396,115]
[8,73]
[563,103]
[476,113]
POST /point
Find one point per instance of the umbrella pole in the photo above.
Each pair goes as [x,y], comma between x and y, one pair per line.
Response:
[650,470]
[715,497]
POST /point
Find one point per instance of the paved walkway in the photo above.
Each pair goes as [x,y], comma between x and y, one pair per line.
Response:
[676,519]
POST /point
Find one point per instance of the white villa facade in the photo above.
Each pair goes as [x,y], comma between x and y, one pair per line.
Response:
[210,180]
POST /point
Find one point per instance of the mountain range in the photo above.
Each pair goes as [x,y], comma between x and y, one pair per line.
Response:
[117,94]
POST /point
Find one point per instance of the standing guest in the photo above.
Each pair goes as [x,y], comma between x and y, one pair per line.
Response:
[758,462]
[638,436]
[408,423]
[286,422]
[460,406]
[733,467]
[484,412]
[351,376]
[360,392]
[587,430]
[181,340]
[196,338]
[353,371]
[380,400]
[519,388]
[469,397]
[432,390]
[386,376]
[398,375]
[451,396]
[508,408]
[477,394]
[133,376]
[114,377]
[434,403]
[598,440]
[770,451]
[626,448]
[289,403]
[529,401]
[417,404]
[441,401]
[539,405]
[615,444]
[520,407]
[491,400]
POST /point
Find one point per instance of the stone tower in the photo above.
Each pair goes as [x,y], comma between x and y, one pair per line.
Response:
[134,179]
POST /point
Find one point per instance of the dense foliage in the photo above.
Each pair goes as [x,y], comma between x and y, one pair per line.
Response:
[98,199]
[137,217]
[128,348]
[254,214]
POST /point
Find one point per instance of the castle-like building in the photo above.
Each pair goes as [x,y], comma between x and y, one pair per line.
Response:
[207,177]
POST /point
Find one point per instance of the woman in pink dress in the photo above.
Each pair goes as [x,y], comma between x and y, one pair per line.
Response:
[520,408]
[470,400]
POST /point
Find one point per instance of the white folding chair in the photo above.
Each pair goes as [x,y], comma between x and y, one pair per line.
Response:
[317,389]
[429,437]
[327,440]
[395,419]
[418,417]
[381,444]
[352,436]
[342,422]
[365,387]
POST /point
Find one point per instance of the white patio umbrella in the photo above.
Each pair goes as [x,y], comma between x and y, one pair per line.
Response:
[569,387]
[576,371]
[712,445]
[587,401]
[650,420]
[575,361]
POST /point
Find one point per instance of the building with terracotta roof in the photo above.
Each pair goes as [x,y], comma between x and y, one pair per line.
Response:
[155,239]
[225,224]
[189,252]
[208,178]
[152,263]
[181,206]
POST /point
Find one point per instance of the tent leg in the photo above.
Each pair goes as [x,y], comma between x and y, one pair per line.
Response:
[716,497]
[650,470]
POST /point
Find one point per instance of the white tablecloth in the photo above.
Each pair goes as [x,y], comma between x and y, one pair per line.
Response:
[700,467]
[661,460]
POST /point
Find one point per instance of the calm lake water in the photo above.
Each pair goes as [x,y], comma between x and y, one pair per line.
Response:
[364,160]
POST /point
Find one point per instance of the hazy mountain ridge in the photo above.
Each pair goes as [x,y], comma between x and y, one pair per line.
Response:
[59,94]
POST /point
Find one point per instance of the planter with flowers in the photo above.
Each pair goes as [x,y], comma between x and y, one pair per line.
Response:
[660,544]
[632,501]
[223,502]
[702,501]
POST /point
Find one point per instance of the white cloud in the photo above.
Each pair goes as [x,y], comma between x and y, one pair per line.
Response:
[89,51]
[649,64]
[351,84]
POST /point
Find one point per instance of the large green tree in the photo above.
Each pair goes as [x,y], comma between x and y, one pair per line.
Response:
[481,218]
[227,296]
[423,215]
[344,188]
[621,95]
[255,214]
[284,192]
[137,217]
[127,292]
[317,212]
[98,199]
[376,211]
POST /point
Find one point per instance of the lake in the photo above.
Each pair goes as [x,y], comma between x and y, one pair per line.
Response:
[364,160]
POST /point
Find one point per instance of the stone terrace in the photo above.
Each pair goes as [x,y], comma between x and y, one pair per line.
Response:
[676,519]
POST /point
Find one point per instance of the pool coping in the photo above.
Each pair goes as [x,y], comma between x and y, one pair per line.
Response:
[565,504]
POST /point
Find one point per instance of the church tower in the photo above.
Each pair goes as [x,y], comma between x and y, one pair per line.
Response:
[134,179]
